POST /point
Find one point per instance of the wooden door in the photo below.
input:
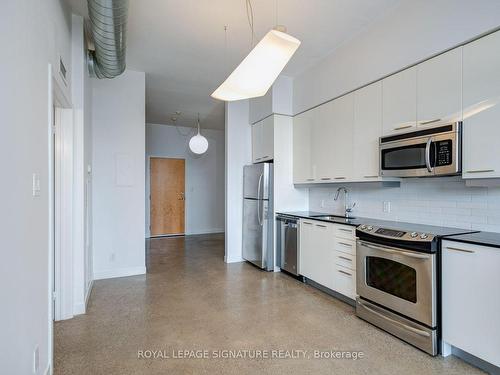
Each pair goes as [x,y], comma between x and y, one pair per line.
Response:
[167,196]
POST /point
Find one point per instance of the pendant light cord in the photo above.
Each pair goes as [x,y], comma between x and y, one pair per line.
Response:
[250,19]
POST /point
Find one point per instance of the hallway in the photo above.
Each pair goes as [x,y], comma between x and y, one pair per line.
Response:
[191,300]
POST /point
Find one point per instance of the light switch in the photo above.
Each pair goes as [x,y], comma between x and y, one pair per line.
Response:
[36,184]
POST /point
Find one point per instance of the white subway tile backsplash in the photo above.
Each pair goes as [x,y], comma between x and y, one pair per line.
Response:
[443,201]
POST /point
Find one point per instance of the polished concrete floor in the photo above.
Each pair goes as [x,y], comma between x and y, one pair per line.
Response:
[191,300]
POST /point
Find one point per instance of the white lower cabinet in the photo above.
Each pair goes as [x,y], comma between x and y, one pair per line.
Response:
[471,299]
[326,258]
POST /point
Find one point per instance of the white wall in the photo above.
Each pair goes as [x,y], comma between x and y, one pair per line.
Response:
[204,174]
[34,33]
[118,143]
[410,32]
[238,154]
[444,201]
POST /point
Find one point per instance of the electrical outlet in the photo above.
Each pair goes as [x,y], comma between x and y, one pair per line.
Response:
[36,360]
[387,207]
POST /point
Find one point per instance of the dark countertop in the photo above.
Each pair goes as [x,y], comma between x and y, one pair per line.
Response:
[479,238]
[399,225]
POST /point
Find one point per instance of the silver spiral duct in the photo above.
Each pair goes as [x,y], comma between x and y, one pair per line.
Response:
[108,22]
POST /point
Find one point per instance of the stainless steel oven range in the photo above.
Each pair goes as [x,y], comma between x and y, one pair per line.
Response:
[397,280]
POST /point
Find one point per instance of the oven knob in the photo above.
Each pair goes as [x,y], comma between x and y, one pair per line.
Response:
[363,227]
[369,228]
[413,234]
[423,236]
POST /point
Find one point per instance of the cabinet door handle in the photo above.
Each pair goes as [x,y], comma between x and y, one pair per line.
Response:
[371,176]
[264,157]
[322,226]
[340,178]
[430,121]
[325,178]
[461,250]
[345,244]
[258,158]
[403,127]
[345,230]
[307,223]
[345,273]
[310,179]
[345,258]
[480,170]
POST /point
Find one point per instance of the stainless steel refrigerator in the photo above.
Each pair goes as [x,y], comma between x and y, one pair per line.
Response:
[257,215]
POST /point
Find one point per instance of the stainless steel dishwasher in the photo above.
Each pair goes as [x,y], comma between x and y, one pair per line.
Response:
[288,243]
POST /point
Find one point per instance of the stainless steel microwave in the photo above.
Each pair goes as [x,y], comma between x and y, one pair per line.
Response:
[435,151]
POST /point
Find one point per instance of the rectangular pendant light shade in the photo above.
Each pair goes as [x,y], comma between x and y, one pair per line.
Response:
[258,71]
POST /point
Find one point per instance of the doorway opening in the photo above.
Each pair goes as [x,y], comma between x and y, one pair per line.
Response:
[167,196]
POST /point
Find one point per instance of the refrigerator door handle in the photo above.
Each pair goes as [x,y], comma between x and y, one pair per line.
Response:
[259,199]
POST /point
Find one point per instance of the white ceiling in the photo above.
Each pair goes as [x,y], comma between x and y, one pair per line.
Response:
[180,45]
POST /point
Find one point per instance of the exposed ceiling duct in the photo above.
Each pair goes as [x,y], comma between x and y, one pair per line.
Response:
[108,23]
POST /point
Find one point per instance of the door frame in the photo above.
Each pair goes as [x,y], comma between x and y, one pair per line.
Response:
[56,98]
[148,196]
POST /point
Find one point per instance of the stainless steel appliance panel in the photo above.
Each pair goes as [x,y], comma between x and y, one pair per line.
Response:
[256,181]
[423,153]
[401,280]
[289,231]
[254,233]
[420,336]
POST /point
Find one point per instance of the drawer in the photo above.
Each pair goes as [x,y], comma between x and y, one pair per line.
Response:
[344,259]
[345,281]
[345,231]
[345,246]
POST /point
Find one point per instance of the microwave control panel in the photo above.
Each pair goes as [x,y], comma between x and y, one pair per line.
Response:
[444,153]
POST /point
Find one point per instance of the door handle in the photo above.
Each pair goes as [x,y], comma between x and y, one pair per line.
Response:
[345,273]
[428,155]
[259,201]
[393,321]
[393,250]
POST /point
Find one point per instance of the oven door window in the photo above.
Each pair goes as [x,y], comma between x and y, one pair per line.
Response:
[406,157]
[392,277]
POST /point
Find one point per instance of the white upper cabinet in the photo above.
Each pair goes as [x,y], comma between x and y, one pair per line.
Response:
[399,105]
[439,89]
[481,109]
[322,134]
[263,140]
[367,131]
[302,140]
[339,141]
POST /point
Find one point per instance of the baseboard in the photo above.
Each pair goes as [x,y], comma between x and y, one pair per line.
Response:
[119,272]
[233,259]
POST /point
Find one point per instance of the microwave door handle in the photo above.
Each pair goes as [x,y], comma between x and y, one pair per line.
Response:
[430,168]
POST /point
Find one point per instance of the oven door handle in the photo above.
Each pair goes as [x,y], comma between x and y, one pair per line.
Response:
[405,326]
[428,155]
[393,250]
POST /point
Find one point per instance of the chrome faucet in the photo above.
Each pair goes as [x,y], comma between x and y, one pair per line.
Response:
[347,209]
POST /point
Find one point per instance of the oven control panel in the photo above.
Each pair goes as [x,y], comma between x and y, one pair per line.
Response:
[396,234]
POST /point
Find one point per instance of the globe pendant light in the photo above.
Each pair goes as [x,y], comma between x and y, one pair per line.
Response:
[258,71]
[198,143]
